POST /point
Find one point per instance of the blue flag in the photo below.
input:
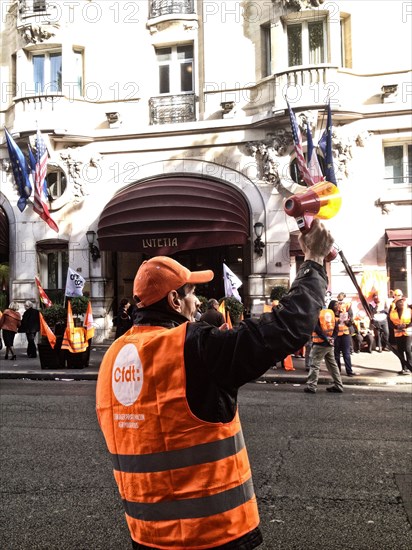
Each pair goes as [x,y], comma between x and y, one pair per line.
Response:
[325,145]
[20,171]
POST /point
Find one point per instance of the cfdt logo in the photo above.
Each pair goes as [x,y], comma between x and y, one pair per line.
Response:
[127,375]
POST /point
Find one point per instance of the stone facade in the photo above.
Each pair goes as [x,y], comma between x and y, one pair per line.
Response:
[232,125]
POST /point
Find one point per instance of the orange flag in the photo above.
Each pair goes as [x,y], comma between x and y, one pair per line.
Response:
[45,330]
[88,322]
[222,308]
[229,320]
[288,363]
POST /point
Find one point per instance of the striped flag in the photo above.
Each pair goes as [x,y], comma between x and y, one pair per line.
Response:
[325,145]
[40,189]
[20,171]
[300,158]
[313,163]
[43,296]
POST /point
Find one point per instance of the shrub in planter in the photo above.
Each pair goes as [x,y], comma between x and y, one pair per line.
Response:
[234,307]
[278,292]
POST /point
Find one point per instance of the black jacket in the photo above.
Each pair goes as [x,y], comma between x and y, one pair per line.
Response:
[218,362]
[30,321]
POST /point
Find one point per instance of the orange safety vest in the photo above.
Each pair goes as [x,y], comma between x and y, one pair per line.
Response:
[327,322]
[405,319]
[185,482]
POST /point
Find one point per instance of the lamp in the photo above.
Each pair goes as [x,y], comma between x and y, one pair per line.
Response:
[94,251]
[259,245]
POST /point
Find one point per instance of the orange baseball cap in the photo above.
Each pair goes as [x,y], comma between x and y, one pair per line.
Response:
[156,277]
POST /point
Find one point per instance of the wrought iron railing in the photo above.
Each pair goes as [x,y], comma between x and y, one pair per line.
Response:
[169,7]
[172,109]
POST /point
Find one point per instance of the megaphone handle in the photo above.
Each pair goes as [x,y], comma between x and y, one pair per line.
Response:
[304,222]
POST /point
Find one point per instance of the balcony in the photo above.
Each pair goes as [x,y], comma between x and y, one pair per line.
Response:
[171,7]
[172,109]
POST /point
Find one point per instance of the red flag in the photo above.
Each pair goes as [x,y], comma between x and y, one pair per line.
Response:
[43,296]
[88,322]
[297,140]
[45,330]
[40,188]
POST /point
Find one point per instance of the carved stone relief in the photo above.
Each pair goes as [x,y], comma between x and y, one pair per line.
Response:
[75,166]
[35,34]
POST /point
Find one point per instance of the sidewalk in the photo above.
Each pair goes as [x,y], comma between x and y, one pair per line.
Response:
[370,369]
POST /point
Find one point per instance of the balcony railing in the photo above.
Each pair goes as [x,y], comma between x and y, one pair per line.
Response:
[170,7]
[31,7]
[172,109]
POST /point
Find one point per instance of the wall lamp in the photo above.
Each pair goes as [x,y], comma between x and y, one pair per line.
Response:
[259,245]
[94,251]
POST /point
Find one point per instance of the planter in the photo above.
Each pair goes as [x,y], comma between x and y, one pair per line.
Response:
[51,358]
[78,360]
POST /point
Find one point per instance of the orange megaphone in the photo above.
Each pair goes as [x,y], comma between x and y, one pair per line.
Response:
[322,200]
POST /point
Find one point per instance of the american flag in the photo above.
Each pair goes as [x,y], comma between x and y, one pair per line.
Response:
[297,140]
[20,171]
[40,195]
[313,163]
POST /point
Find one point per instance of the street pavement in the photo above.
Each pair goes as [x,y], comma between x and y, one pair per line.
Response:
[370,369]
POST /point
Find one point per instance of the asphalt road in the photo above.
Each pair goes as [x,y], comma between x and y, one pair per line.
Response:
[330,471]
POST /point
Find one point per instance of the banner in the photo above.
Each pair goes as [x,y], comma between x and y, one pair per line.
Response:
[232,283]
[74,283]
[89,322]
[43,296]
[45,330]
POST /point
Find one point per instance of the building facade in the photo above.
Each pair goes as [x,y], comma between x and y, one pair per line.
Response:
[167,132]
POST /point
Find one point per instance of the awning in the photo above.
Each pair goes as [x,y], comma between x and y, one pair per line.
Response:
[168,215]
[399,237]
[294,246]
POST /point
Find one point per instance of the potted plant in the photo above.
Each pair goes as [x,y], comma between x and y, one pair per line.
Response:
[234,307]
[278,292]
[53,358]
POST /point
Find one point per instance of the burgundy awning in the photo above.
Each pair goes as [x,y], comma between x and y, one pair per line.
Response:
[294,246]
[168,215]
[399,237]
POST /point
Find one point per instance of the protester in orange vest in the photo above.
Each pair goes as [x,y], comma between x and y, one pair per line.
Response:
[343,339]
[322,349]
[400,318]
[166,401]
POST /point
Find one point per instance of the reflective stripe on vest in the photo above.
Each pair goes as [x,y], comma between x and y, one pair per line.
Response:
[327,322]
[184,482]
[191,508]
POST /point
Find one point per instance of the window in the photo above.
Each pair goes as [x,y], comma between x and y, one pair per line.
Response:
[306,43]
[53,261]
[398,163]
[266,50]
[175,69]
[78,74]
[56,184]
[47,72]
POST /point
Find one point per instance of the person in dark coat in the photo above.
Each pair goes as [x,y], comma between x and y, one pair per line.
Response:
[212,315]
[30,324]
